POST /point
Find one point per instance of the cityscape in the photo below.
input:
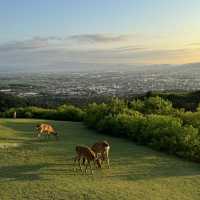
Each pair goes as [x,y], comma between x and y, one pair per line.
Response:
[101,83]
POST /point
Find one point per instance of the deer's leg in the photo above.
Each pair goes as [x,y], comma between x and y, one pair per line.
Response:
[108,162]
[75,159]
[39,133]
[83,161]
[94,164]
[103,158]
[86,168]
[90,167]
[79,162]
[107,158]
[88,163]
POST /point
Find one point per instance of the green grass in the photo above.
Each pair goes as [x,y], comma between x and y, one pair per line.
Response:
[38,169]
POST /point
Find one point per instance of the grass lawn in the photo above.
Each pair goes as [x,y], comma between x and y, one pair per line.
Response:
[39,169]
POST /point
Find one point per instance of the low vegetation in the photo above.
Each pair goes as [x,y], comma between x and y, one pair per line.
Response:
[152,121]
[64,112]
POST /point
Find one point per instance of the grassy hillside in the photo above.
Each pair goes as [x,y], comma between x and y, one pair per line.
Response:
[40,169]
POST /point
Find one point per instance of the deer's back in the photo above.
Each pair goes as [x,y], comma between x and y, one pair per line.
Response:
[85,152]
[100,147]
[46,128]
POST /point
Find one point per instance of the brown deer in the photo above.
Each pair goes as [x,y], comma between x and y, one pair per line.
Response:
[102,149]
[46,129]
[87,154]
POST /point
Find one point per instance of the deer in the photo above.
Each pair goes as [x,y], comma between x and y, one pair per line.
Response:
[102,149]
[46,129]
[87,154]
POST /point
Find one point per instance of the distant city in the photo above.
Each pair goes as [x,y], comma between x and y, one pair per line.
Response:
[103,83]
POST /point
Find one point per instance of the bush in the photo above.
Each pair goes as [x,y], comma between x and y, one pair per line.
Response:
[189,143]
[65,112]
[69,112]
[167,129]
[161,132]
[137,105]
[28,115]
[152,122]
[191,118]
[95,113]
[153,105]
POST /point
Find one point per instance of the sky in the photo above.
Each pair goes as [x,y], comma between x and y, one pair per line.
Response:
[37,33]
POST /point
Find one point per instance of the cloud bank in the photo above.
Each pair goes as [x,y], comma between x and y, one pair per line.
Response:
[92,48]
[103,38]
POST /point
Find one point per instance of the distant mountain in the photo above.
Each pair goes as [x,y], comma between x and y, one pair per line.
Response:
[190,67]
[79,67]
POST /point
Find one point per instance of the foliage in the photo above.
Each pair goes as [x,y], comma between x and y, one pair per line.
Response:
[8,101]
[65,112]
[191,118]
[69,112]
[187,100]
[150,105]
[153,122]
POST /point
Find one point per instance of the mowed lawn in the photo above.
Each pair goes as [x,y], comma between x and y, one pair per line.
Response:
[32,168]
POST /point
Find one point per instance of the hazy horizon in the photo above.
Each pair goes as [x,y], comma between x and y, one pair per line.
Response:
[64,35]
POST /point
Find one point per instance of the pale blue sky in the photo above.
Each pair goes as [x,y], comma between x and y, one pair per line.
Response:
[20,19]
[154,25]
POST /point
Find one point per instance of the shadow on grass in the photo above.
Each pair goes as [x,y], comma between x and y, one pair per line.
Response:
[24,128]
[128,161]
[21,172]
[150,167]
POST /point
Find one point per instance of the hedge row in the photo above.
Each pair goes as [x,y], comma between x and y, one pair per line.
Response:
[160,126]
[152,122]
[65,112]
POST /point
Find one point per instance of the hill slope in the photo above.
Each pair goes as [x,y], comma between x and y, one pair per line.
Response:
[39,169]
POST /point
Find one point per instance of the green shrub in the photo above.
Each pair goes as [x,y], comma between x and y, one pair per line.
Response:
[69,112]
[191,118]
[152,122]
[65,112]
[137,105]
[95,113]
[160,126]
[28,115]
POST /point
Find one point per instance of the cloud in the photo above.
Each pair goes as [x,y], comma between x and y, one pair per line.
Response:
[131,48]
[29,44]
[53,51]
[193,44]
[99,38]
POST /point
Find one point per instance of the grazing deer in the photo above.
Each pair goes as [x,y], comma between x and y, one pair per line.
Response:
[47,130]
[102,148]
[87,154]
